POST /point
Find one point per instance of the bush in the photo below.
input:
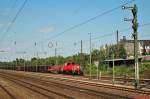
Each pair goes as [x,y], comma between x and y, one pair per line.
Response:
[87,69]
[145,70]
[122,70]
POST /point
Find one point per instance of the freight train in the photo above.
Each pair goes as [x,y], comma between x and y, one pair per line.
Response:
[68,68]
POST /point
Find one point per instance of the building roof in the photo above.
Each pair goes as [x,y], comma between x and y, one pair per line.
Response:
[120,59]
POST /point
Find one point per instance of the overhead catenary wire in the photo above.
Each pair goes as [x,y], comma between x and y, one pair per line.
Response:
[129,28]
[13,21]
[108,34]
[102,36]
[120,31]
[87,21]
[11,9]
[84,22]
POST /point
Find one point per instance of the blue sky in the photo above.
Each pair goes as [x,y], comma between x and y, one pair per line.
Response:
[42,19]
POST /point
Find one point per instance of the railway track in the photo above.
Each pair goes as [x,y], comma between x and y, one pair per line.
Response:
[108,79]
[36,88]
[129,89]
[107,86]
[43,78]
[144,83]
[8,93]
[82,90]
[74,88]
[121,79]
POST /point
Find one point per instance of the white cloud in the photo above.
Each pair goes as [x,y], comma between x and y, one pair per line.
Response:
[46,29]
[3,50]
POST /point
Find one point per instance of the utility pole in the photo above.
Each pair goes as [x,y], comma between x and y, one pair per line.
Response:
[81,56]
[90,56]
[113,69]
[135,36]
[36,55]
[56,61]
[15,53]
[134,10]
[117,37]
[50,45]
[24,61]
[117,44]
[15,50]
[81,47]
[24,64]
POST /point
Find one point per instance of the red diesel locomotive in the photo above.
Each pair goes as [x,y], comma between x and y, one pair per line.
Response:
[68,68]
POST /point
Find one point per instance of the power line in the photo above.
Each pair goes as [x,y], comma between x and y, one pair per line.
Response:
[145,24]
[87,21]
[101,37]
[108,34]
[13,21]
[122,30]
[11,10]
[129,28]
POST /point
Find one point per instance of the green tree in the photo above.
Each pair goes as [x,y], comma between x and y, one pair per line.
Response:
[122,51]
[95,54]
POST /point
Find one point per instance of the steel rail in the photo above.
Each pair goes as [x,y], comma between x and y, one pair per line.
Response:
[8,93]
[28,85]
